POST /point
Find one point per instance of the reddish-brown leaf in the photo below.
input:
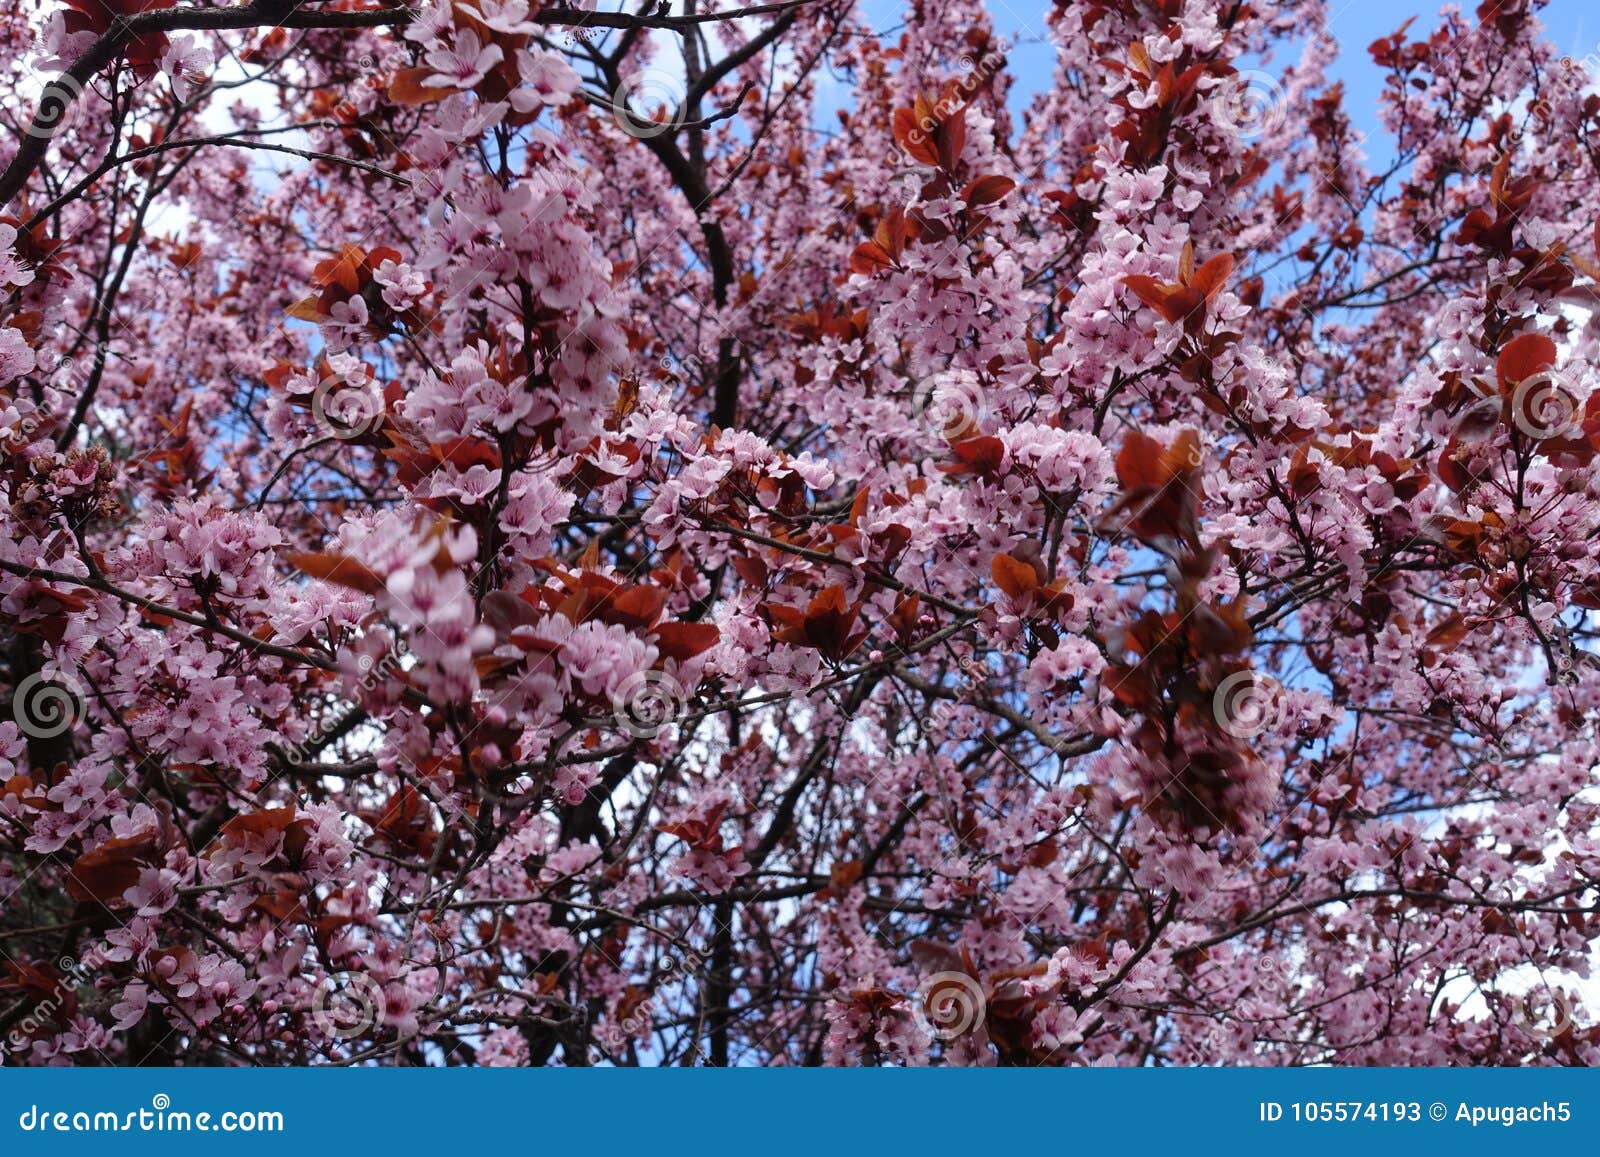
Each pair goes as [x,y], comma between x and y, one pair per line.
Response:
[916,139]
[1522,358]
[752,569]
[870,258]
[1450,630]
[307,309]
[828,622]
[1013,576]
[336,568]
[981,455]
[683,641]
[1213,275]
[106,871]
[407,87]
[637,607]
[987,190]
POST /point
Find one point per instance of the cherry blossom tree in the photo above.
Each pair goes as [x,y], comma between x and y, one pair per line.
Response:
[706,534]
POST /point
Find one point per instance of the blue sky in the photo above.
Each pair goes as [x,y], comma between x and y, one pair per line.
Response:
[1573,26]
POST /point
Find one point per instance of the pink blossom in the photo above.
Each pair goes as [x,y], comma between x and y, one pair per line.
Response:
[464,64]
